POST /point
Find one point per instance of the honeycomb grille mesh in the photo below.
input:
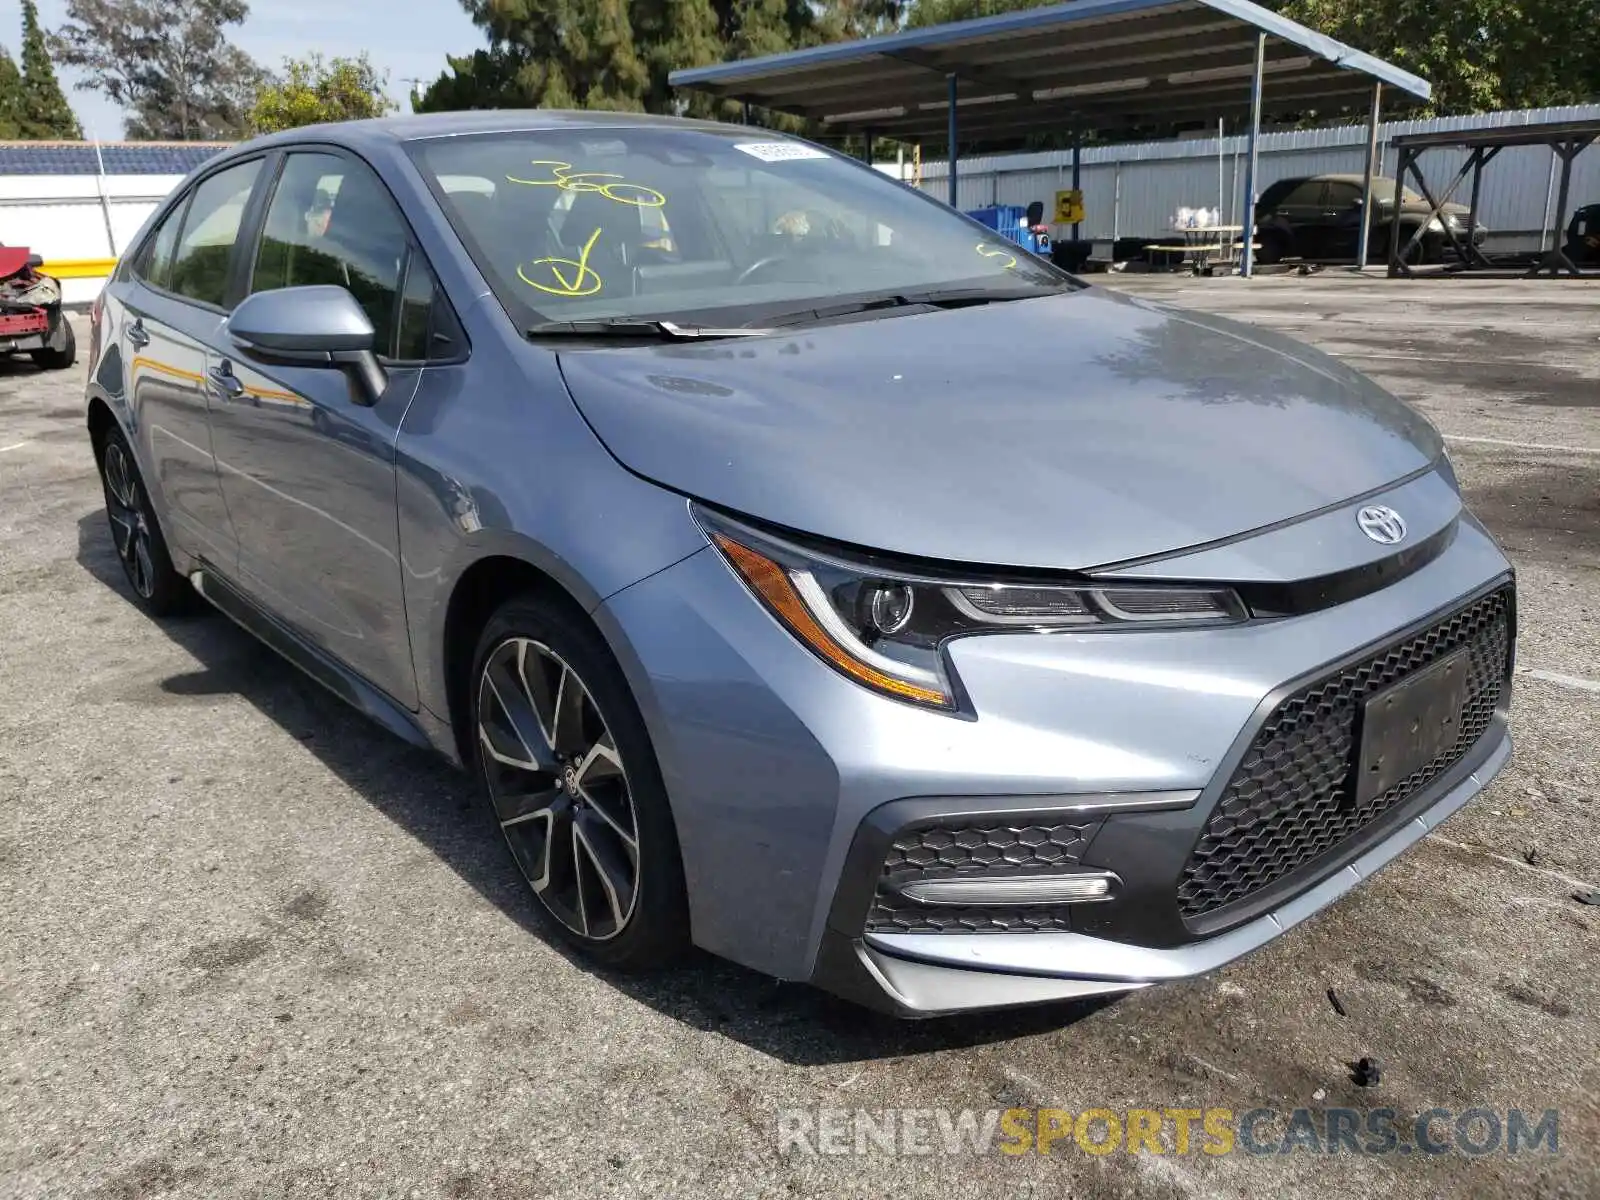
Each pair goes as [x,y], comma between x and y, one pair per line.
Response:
[1292,797]
[988,848]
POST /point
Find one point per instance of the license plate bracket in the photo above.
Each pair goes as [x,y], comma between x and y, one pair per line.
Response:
[1407,725]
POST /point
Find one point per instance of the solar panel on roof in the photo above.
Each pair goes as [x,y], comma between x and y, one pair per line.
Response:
[120,158]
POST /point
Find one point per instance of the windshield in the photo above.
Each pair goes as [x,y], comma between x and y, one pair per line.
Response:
[700,224]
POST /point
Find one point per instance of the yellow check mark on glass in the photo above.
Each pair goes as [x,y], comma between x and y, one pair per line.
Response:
[573,276]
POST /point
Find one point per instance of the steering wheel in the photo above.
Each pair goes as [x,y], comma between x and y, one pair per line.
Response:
[761,264]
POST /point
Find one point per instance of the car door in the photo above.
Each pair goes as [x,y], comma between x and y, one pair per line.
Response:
[1306,208]
[1343,210]
[1300,208]
[307,459]
[172,308]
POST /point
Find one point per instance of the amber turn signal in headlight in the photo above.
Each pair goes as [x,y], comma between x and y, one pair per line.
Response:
[781,591]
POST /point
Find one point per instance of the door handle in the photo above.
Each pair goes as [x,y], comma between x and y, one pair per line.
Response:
[225,381]
[137,335]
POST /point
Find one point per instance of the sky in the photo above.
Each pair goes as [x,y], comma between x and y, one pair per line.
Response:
[407,38]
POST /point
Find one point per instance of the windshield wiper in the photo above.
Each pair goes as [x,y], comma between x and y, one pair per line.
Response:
[968,297]
[618,327]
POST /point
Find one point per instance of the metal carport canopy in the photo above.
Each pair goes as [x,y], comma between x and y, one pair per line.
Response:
[1091,64]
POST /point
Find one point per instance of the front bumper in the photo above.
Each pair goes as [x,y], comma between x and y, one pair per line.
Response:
[933,974]
[776,766]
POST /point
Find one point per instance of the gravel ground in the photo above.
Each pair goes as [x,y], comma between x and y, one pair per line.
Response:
[253,946]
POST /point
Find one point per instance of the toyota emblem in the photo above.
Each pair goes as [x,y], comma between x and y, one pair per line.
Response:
[1382,524]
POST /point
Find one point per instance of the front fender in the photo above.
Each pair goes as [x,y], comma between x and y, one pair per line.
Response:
[498,464]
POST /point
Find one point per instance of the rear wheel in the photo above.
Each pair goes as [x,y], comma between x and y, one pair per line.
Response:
[567,765]
[59,357]
[157,586]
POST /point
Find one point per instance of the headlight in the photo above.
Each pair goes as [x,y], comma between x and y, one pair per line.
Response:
[885,627]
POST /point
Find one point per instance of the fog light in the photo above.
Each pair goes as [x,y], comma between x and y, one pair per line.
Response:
[1077,888]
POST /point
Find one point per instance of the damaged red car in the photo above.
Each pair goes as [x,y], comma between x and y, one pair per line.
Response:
[31,319]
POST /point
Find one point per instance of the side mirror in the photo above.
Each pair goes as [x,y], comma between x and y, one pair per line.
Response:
[310,326]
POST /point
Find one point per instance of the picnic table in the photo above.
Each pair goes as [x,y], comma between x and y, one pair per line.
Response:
[1200,243]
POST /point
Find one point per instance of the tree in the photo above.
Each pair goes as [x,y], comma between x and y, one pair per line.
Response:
[168,61]
[763,28]
[1478,54]
[850,19]
[312,90]
[619,53]
[10,96]
[44,110]
[941,12]
[679,33]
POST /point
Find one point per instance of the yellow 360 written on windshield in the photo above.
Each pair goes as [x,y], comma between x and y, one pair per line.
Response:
[562,176]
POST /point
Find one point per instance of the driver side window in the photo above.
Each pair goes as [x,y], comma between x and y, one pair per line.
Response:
[332,222]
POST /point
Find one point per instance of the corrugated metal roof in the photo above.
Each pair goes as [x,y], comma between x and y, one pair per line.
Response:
[120,158]
[1093,63]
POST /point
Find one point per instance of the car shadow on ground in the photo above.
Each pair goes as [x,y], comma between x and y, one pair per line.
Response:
[438,806]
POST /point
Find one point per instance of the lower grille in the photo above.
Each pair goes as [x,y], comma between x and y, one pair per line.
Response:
[990,847]
[1292,798]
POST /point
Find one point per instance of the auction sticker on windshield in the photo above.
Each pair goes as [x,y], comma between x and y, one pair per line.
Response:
[779,151]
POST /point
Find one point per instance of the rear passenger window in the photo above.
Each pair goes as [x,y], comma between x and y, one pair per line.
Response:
[332,222]
[210,228]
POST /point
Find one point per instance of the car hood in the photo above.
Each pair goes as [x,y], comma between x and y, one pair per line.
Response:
[1066,432]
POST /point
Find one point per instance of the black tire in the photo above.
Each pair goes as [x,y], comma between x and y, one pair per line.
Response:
[1274,247]
[525,649]
[58,358]
[1415,253]
[135,533]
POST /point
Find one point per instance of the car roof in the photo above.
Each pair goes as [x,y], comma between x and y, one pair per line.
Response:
[1333,177]
[418,126]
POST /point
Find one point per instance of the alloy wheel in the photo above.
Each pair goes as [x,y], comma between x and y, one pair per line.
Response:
[130,526]
[559,788]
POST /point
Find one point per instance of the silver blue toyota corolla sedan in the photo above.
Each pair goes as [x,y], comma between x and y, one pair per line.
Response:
[804,571]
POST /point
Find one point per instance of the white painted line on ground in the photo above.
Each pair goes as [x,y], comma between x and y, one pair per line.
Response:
[1480,852]
[1487,441]
[1571,681]
[14,446]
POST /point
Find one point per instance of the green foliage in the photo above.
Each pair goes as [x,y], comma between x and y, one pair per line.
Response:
[618,53]
[1478,54]
[168,62]
[10,97]
[44,110]
[674,34]
[312,90]
[940,12]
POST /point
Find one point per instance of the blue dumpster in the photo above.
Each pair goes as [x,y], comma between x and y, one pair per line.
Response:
[1011,221]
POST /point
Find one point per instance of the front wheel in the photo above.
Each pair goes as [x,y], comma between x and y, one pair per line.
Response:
[567,765]
[1273,247]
